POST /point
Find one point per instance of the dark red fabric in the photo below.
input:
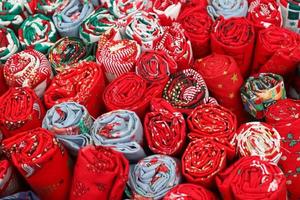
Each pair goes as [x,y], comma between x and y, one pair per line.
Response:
[100,173]
[42,161]
[3,85]
[234,37]
[20,110]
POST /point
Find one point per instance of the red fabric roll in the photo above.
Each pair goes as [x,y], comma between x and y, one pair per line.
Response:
[224,80]
[100,172]
[284,116]
[20,110]
[83,83]
[234,37]
[197,24]
[3,85]
[164,128]
[188,191]
[252,179]
[42,161]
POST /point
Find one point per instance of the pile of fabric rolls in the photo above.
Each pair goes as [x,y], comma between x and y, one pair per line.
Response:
[149,99]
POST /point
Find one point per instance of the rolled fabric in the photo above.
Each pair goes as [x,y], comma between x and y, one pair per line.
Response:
[20,110]
[9,44]
[291,14]
[154,176]
[284,117]
[129,91]
[3,85]
[166,10]
[253,179]
[66,52]
[68,18]
[42,161]
[48,7]
[261,91]
[37,31]
[99,172]
[279,47]
[258,139]
[188,191]
[123,131]
[28,68]
[83,84]
[175,43]
[164,128]
[227,8]
[186,90]
[234,37]
[9,182]
[28,195]
[197,24]
[116,55]
[71,123]
[11,13]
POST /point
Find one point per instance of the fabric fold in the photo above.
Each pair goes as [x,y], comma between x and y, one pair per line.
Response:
[167,10]
[227,8]
[9,44]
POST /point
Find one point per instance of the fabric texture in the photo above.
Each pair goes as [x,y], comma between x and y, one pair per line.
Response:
[3,85]
[291,14]
[28,195]
[48,7]
[10,182]
[9,44]
[227,8]
[166,10]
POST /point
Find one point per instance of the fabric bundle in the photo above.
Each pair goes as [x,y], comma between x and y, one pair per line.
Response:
[227,8]
[83,84]
[116,55]
[253,179]
[42,161]
[260,91]
[291,14]
[29,195]
[20,110]
[167,10]
[37,31]
[48,7]
[68,18]
[234,37]
[9,43]
[9,182]
[164,128]
[154,176]
[122,130]
[129,91]
[258,139]
[277,51]
[71,123]
[284,117]
[197,24]
[99,172]
[28,68]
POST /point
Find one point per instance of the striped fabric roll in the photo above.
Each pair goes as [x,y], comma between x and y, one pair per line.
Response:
[167,10]
[48,7]
[291,14]
[227,8]
[9,44]
[9,182]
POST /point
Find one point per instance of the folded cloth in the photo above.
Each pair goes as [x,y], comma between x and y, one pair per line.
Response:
[177,45]
[116,55]
[253,179]
[129,91]
[258,139]
[264,13]
[260,91]
[164,128]
[66,52]
[3,85]
[123,131]
[291,14]
[188,191]
[9,43]
[28,68]
[20,110]
[277,51]
[154,176]
[42,161]
[227,8]
[37,31]
[68,18]
[71,123]
[48,7]
[197,24]
[234,37]
[155,66]
[29,195]
[284,117]
[99,172]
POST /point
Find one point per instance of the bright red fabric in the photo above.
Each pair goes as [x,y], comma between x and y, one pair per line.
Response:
[3,86]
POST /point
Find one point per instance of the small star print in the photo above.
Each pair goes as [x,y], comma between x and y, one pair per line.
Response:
[225,73]
[231,95]
[220,86]
[234,78]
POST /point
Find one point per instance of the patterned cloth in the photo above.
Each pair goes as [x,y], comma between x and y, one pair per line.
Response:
[28,68]
[9,43]
[164,128]
[260,91]
[291,14]
[284,116]
[167,10]
[37,31]
[252,178]
[123,131]
[42,161]
[48,7]
[9,183]
[29,195]
[227,8]
[154,176]
[99,172]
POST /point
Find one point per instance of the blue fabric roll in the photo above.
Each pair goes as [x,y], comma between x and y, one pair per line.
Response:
[29,195]
[227,8]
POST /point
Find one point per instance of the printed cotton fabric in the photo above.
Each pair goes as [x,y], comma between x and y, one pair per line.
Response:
[9,44]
